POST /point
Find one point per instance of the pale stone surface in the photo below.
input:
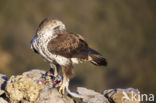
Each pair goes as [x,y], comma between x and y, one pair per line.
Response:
[91,96]
[22,88]
[34,87]
[3,100]
[51,95]
[34,74]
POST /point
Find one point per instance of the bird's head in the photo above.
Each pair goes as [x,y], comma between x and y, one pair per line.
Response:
[50,25]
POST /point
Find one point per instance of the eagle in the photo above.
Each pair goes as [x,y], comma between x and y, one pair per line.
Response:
[62,49]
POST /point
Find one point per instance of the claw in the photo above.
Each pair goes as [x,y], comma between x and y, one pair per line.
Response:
[62,89]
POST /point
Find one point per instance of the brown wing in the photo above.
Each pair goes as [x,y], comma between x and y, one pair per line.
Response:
[69,45]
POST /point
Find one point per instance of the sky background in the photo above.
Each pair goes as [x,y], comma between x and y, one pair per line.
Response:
[123,31]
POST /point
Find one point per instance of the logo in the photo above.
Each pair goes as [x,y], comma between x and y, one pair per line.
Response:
[133,96]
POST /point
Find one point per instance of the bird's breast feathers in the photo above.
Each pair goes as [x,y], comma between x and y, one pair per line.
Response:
[40,45]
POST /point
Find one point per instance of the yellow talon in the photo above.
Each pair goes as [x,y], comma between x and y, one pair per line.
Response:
[62,89]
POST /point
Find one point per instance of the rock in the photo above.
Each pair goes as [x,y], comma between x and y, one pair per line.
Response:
[122,95]
[91,96]
[34,74]
[3,100]
[21,88]
[3,81]
[51,95]
[36,86]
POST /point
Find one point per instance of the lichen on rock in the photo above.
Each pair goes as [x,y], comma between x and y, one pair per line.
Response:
[35,86]
[21,88]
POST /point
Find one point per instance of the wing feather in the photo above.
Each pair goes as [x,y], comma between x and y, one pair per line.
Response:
[69,45]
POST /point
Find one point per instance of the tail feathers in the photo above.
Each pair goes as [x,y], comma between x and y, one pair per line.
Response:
[97,59]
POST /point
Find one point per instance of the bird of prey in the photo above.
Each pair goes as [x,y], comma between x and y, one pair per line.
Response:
[62,49]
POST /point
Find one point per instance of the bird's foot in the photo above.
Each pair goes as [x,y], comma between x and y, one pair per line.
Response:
[62,89]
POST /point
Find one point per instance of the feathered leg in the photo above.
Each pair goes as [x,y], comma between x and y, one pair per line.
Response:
[67,72]
[55,69]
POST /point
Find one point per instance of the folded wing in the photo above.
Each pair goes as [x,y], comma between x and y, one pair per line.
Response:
[69,45]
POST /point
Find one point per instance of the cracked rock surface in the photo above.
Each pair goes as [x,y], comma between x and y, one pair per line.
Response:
[34,87]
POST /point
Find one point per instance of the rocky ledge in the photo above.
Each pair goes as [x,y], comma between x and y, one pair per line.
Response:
[36,87]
